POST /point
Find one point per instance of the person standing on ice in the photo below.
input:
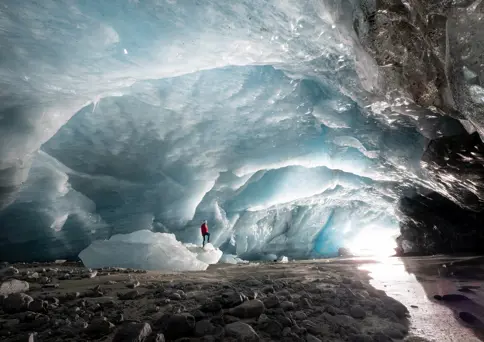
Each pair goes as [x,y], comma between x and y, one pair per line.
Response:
[204,230]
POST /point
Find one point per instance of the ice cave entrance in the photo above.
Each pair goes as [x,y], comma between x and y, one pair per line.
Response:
[373,242]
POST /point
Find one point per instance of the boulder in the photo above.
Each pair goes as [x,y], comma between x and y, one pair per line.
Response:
[242,332]
[133,332]
[13,286]
[17,302]
[250,309]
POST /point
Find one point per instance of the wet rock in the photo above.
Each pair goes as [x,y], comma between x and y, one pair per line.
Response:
[111,282]
[381,337]
[133,332]
[395,306]
[129,295]
[16,302]
[230,319]
[38,305]
[211,307]
[242,332]
[469,318]
[357,311]
[13,286]
[300,315]
[287,306]
[249,309]
[268,289]
[231,299]
[272,327]
[271,302]
[10,271]
[177,326]
[360,338]
[133,284]
[174,296]
[99,327]
[312,338]
[90,274]
[305,303]
[158,338]
[203,327]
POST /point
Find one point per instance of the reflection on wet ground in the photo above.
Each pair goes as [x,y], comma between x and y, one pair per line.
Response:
[445,295]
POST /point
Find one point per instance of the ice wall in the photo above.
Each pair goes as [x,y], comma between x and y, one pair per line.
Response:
[264,117]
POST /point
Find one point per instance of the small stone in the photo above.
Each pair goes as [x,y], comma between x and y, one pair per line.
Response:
[271,302]
[12,286]
[50,286]
[357,311]
[203,327]
[133,284]
[249,309]
[174,296]
[133,332]
[300,315]
[242,332]
[414,306]
[159,338]
[287,306]
[43,280]
[268,289]
[111,282]
[91,274]
[129,295]
[17,302]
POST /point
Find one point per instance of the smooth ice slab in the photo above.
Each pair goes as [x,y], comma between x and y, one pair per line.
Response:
[144,249]
[207,254]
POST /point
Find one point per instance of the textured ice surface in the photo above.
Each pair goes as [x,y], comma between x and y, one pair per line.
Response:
[208,253]
[263,117]
[150,251]
[231,259]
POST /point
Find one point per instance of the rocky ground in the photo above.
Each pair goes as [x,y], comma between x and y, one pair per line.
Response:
[257,302]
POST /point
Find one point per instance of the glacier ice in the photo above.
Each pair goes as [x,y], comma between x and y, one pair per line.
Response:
[147,250]
[266,118]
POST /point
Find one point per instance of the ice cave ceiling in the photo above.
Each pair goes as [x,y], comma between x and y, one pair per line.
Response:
[294,127]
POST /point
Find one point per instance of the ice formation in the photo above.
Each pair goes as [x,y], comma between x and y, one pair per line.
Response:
[147,250]
[267,118]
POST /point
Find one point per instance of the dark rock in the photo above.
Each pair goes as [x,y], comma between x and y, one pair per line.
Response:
[360,338]
[381,337]
[271,327]
[268,289]
[357,311]
[177,326]
[38,306]
[133,284]
[249,309]
[242,332]
[159,338]
[203,327]
[16,302]
[470,318]
[129,295]
[133,332]
[231,299]
[13,286]
[300,315]
[99,327]
[304,303]
[271,302]
[312,338]
[221,321]
[10,271]
[287,306]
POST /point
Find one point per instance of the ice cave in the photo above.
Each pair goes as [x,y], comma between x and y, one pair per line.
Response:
[294,127]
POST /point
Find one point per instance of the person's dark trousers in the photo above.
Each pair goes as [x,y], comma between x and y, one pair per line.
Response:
[208,238]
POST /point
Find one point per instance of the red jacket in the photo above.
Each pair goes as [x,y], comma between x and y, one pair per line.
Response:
[204,228]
